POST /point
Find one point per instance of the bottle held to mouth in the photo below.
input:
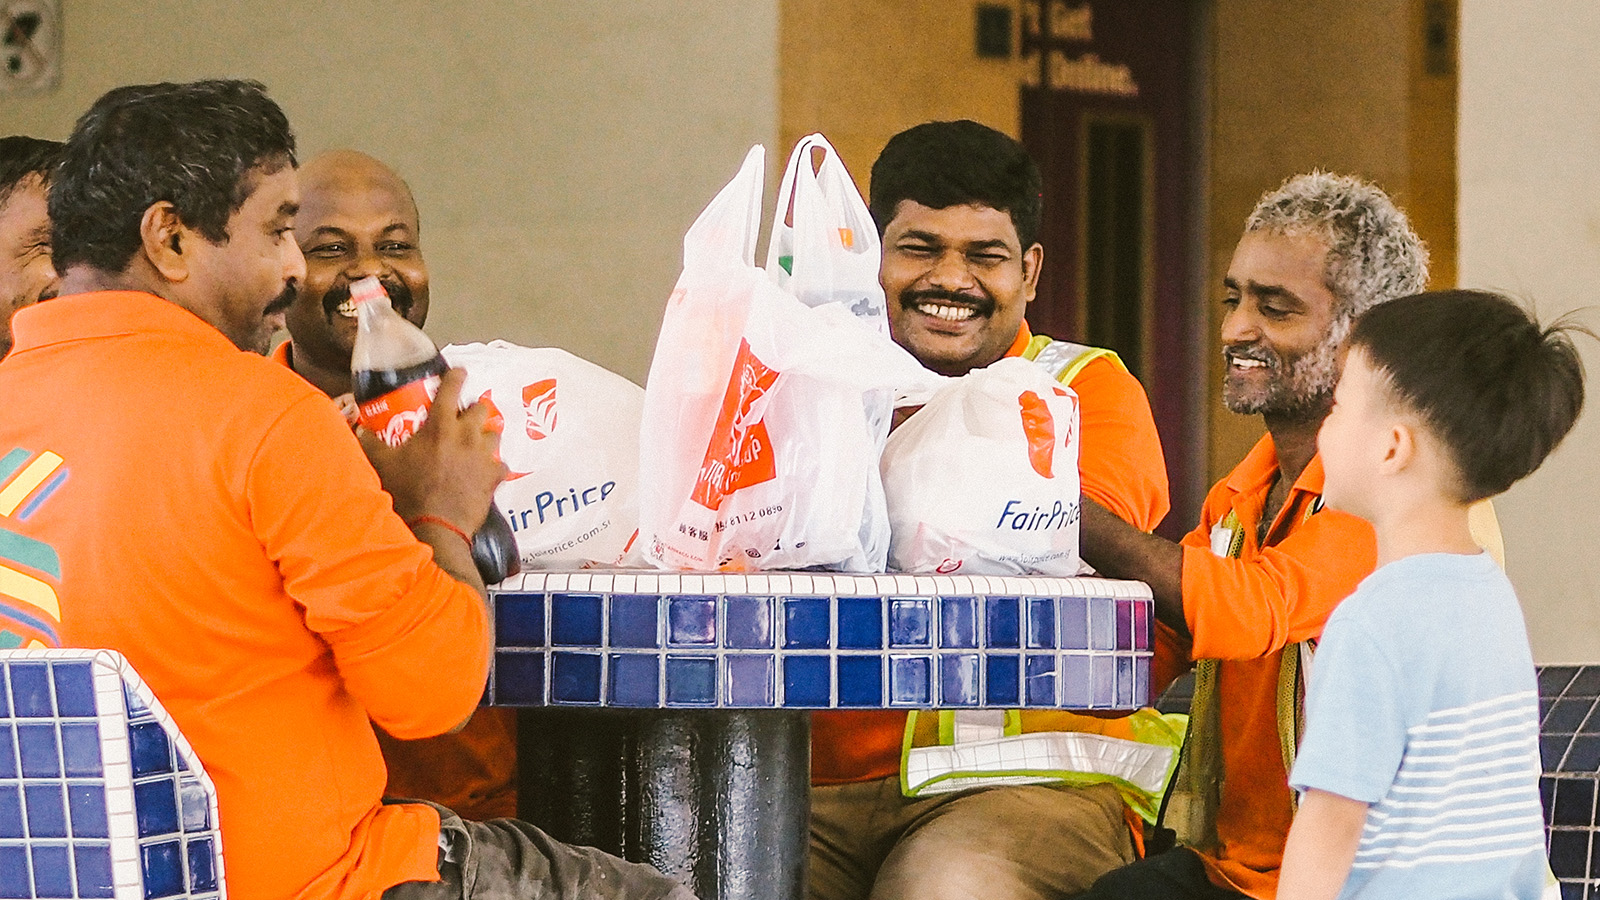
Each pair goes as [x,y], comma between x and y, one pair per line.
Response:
[395,370]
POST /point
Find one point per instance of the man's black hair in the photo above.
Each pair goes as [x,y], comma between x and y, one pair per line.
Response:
[1494,387]
[22,156]
[198,146]
[943,164]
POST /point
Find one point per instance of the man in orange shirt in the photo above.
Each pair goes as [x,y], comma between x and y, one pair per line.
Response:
[218,524]
[1245,595]
[358,218]
[958,206]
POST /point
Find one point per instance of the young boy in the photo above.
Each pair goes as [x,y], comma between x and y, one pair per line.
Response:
[1419,766]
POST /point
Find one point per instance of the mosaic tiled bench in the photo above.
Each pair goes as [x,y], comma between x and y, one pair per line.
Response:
[1569,742]
[668,715]
[100,796]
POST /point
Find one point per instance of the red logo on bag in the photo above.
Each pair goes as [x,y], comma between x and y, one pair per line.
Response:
[1040,428]
[948,566]
[496,422]
[739,454]
[539,400]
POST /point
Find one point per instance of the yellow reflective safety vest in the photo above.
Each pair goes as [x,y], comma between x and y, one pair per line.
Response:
[947,750]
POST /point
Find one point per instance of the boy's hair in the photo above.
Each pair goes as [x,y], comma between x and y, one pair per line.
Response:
[1498,390]
[198,146]
[944,164]
[23,157]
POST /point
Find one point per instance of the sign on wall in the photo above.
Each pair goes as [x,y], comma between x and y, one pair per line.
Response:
[30,49]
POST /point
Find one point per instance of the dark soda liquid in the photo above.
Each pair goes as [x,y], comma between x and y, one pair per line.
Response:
[494,548]
[374,383]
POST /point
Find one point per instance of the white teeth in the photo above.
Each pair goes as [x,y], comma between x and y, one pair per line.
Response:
[346,309]
[1247,363]
[948,313]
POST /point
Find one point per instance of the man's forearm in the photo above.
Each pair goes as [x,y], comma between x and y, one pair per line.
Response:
[452,554]
[1119,550]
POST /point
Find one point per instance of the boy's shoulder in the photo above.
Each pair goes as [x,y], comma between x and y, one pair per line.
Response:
[1431,603]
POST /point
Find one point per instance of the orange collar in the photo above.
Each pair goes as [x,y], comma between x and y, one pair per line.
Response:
[1255,472]
[280,354]
[1024,337]
[101,314]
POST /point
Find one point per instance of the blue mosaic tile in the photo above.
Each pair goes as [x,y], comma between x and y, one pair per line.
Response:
[87,804]
[748,623]
[1102,623]
[691,681]
[519,678]
[47,810]
[1569,853]
[94,870]
[1573,802]
[80,749]
[635,680]
[910,680]
[575,677]
[8,751]
[30,690]
[958,622]
[750,680]
[1004,622]
[155,804]
[11,811]
[1566,715]
[202,865]
[1041,623]
[151,752]
[1076,692]
[1002,681]
[163,869]
[634,620]
[805,623]
[1041,680]
[1102,681]
[860,681]
[861,623]
[41,757]
[806,681]
[14,881]
[74,688]
[958,680]
[519,620]
[1583,755]
[691,621]
[1554,679]
[1141,681]
[1125,678]
[5,694]
[910,623]
[575,620]
[52,871]
[1586,683]
[1074,616]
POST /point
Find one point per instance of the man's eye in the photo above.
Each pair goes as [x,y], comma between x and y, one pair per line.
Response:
[988,259]
[1230,301]
[396,247]
[326,251]
[1274,312]
[916,249]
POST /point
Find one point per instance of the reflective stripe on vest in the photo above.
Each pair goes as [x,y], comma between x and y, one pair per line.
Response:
[988,748]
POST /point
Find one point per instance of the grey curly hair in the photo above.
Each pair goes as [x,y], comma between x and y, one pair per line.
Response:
[1373,253]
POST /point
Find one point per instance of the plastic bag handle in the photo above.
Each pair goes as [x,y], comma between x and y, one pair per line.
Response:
[731,220]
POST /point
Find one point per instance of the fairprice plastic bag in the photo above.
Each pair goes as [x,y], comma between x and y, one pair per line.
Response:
[824,246]
[570,436]
[760,441]
[983,480]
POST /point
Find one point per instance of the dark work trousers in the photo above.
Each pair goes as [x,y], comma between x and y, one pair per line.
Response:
[1174,875]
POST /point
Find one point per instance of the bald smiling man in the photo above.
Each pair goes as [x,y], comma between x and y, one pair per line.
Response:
[358,218]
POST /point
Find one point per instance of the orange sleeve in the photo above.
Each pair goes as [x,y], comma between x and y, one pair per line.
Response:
[411,643]
[1119,460]
[1248,608]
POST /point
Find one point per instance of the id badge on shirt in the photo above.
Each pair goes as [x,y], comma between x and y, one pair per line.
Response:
[1227,537]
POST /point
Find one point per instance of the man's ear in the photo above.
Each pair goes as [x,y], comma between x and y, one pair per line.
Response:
[166,241]
[1032,262]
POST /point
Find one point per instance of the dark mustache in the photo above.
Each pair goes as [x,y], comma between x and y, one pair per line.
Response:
[285,298]
[982,305]
[399,296]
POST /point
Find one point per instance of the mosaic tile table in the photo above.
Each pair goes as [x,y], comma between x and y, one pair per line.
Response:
[669,714]
[1569,742]
[100,796]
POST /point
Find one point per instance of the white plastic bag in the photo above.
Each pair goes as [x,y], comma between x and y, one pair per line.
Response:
[983,480]
[571,440]
[759,445]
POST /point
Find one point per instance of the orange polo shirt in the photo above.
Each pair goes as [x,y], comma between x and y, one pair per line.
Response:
[472,771]
[219,525]
[1121,467]
[1244,612]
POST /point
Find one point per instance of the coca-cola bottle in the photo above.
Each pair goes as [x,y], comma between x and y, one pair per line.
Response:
[395,371]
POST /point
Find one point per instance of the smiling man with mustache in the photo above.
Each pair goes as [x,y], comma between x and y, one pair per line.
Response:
[1244,597]
[958,205]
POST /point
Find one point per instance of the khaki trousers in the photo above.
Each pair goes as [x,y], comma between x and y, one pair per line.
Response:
[1033,842]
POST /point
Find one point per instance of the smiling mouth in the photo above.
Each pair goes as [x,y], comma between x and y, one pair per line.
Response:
[946,312]
[1246,362]
[347,309]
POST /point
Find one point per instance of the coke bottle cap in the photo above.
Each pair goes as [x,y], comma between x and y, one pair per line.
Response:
[367,290]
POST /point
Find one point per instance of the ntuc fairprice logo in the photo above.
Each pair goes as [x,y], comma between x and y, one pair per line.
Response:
[539,402]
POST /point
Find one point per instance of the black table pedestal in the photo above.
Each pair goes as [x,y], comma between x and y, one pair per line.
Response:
[717,799]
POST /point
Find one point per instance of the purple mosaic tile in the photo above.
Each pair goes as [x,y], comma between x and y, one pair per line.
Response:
[750,681]
[635,680]
[634,620]
[748,622]
[691,621]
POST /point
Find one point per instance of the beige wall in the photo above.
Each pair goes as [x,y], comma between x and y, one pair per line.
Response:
[862,72]
[558,150]
[1530,225]
[1321,84]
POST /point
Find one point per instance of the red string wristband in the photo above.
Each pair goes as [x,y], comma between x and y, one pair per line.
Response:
[442,523]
